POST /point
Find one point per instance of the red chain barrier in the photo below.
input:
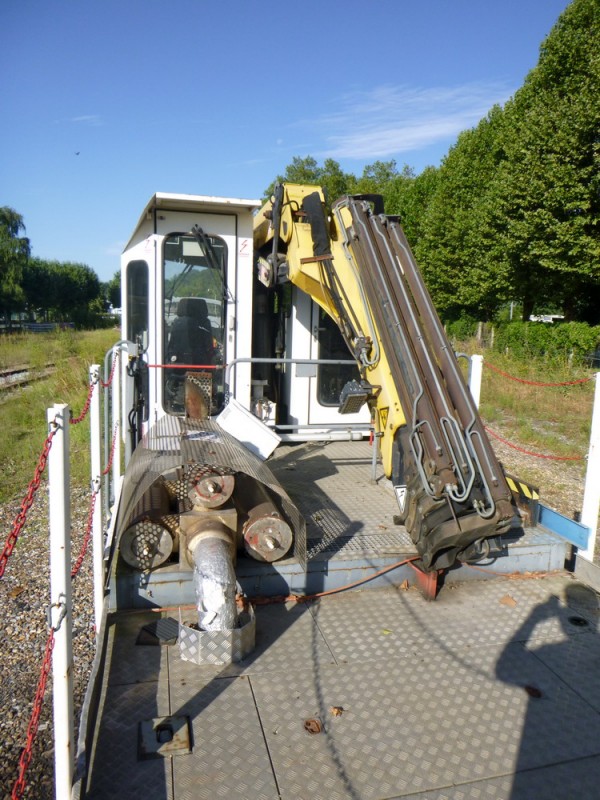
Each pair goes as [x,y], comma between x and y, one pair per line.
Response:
[106,469]
[34,722]
[86,405]
[112,371]
[86,538]
[21,517]
[535,383]
[528,452]
[35,483]
[32,729]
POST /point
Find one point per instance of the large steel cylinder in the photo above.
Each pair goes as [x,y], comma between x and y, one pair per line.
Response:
[146,544]
[147,541]
[210,488]
[267,536]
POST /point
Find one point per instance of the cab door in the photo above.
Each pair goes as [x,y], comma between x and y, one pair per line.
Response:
[326,343]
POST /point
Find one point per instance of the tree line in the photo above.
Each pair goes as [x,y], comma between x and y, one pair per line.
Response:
[511,217]
[48,291]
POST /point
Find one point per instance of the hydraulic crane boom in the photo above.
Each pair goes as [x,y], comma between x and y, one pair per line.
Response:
[357,265]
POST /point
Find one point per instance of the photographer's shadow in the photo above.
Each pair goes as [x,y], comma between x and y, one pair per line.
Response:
[550,660]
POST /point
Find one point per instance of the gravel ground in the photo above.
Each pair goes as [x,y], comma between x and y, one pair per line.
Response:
[24,594]
[560,483]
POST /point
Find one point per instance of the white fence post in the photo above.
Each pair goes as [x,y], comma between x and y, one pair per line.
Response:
[115,401]
[475,374]
[96,471]
[60,598]
[591,493]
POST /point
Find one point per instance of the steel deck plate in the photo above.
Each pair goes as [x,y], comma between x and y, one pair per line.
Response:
[116,769]
[492,691]
[350,529]
[576,780]
[331,483]
[229,759]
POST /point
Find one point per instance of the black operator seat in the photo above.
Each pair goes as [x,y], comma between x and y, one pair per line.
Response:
[191,339]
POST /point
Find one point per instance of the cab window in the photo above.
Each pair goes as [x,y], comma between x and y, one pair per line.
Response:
[331,378]
[194,293]
[137,302]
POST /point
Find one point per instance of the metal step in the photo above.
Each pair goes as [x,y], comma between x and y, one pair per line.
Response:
[351,536]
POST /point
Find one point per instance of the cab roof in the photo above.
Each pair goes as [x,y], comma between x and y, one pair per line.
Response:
[169,201]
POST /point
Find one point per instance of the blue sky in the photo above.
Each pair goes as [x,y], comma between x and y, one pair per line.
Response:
[105,102]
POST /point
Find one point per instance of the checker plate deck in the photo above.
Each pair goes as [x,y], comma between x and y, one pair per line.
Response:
[491,691]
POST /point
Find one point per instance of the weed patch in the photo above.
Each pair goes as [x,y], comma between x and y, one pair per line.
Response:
[23,410]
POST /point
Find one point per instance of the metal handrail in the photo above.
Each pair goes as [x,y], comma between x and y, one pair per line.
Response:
[318,361]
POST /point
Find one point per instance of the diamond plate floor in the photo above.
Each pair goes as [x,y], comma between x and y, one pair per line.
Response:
[343,508]
[350,535]
[492,691]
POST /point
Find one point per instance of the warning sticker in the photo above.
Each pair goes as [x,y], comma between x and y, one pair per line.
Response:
[401,493]
[383,416]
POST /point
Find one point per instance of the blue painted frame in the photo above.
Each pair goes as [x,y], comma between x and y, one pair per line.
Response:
[573,532]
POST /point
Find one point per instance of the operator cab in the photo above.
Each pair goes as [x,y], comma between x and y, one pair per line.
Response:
[201,328]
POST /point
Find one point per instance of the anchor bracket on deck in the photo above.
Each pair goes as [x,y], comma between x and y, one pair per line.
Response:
[428,582]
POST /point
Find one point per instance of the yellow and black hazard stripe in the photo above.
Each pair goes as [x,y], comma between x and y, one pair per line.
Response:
[526,496]
[520,488]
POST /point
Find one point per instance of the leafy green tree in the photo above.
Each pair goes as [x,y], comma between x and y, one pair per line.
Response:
[456,237]
[14,252]
[376,178]
[513,213]
[301,170]
[551,178]
[306,170]
[113,290]
[76,286]
[62,291]
[410,198]
[382,177]
[39,287]
[335,181]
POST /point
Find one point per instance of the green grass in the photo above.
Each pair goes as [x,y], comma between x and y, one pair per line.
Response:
[547,420]
[23,411]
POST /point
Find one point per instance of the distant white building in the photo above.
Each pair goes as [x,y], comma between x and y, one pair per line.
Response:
[545,317]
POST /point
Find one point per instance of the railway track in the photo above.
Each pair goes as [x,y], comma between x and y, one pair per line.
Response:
[19,376]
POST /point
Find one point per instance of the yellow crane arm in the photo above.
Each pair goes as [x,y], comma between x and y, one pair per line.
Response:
[357,265]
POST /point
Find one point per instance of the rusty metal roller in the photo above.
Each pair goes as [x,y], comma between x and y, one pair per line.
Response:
[267,536]
[148,540]
[210,488]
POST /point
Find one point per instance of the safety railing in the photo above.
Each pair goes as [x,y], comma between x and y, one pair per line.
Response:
[591,493]
[58,651]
